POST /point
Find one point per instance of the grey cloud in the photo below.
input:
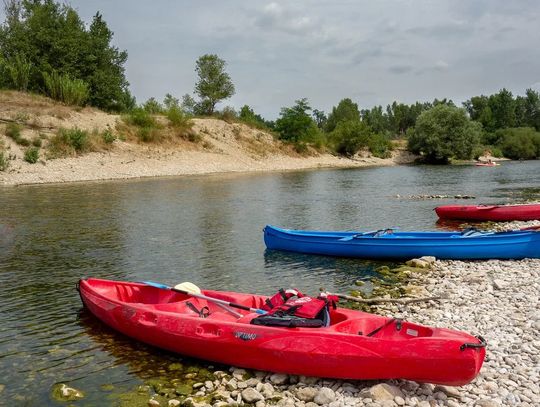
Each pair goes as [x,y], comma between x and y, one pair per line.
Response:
[400,69]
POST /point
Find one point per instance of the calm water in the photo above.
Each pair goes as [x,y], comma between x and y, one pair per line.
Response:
[207,230]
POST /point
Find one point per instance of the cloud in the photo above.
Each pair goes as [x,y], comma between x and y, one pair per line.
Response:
[400,69]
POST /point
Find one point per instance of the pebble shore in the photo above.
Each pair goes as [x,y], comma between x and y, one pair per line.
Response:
[499,300]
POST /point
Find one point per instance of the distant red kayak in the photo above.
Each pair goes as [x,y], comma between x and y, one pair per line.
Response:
[356,345]
[499,213]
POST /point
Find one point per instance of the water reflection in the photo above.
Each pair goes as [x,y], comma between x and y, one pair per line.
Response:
[207,230]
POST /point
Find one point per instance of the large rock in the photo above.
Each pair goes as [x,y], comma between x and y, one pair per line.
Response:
[384,391]
[250,395]
[421,264]
[324,396]
[487,403]
[306,393]
[279,378]
[448,390]
[267,390]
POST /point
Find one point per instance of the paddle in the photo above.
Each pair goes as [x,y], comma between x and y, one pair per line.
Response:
[536,227]
[193,289]
[372,232]
[182,290]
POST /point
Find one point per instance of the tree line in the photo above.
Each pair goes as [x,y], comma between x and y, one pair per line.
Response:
[46,48]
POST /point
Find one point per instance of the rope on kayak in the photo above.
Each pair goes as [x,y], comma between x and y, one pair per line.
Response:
[389,322]
[482,344]
[203,312]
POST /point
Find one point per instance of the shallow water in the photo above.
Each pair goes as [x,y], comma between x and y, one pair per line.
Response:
[207,230]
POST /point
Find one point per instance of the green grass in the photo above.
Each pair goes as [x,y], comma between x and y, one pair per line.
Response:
[31,155]
[65,89]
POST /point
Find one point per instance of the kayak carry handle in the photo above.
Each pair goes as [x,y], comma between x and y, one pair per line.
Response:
[482,344]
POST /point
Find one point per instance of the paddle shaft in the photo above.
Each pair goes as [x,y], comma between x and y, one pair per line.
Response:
[218,301]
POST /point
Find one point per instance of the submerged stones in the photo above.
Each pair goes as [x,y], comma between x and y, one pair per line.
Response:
[62,392]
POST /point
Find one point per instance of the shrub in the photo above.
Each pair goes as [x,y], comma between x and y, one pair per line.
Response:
[152,106]
[18,70]
[350,136]
[68,141]
[13,131]
[31,155]
[178,118]
[140,118]
[36,142]
[519,143]
[228,114]
[108,137]
[4,162]
[380,146]
[65,89]
[147,134]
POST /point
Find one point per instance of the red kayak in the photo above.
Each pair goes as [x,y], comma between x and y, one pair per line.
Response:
[499,213]
[356,345]
[481,164]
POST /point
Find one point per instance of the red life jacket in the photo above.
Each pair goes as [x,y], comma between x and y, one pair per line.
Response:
[302,311]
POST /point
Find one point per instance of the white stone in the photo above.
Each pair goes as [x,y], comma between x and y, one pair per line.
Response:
[324,396]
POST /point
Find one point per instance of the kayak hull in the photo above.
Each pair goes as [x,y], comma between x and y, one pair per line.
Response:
[343,350]
[406,245]
[496,213]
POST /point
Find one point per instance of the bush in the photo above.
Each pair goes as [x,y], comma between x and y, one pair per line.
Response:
[140,118]
[31,155]
[67,90]
[18,70]
[36,142]
[108,137]
[148,134]
[519,143]
[349,137]
[68,141]
[4,162]
[13,131]
[380,146]
[152,106]
[178,118]
[228,114]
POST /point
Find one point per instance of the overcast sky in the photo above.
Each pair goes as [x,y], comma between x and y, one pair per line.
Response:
[371,51]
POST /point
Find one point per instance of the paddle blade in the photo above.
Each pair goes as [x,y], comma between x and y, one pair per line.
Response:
[346,239]
[188,287]
[157,285]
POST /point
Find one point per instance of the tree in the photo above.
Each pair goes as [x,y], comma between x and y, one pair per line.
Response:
[51,37]
[444,132]
[503,107]
[320,118]
[170,102]
[295,124]
[350,136]
[214,83]
[346,110]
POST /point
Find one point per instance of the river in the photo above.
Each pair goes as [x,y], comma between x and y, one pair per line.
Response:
[207,230]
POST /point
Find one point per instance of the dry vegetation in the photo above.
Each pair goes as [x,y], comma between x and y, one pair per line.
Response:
[76,144]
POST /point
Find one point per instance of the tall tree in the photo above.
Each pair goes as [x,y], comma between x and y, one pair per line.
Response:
[214,84]
[296,124]
[444,132]
[346,110]
[52,37]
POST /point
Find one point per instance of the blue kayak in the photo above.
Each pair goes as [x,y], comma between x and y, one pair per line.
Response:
[389,244]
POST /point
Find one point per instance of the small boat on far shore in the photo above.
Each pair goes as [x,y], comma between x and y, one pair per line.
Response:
[486,164]
[497,213]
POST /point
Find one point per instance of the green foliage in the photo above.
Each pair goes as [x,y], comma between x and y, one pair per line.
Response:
[148,135]
[4,161]
[152,106]
[76,138]
[65,89]
[249,117]
[169,102]
[444,132]
[380,146]
[36,142]
[31,155]
[51,36]
[228,114]
[519,143]
[108,136]
[346,110]
[214,83]
[13,131]
[18,69]
[140,118]
[67,142]
[350,136]
[189,105]
[295,124]
[179,119]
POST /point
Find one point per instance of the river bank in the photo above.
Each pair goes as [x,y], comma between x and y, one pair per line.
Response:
[496,299]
